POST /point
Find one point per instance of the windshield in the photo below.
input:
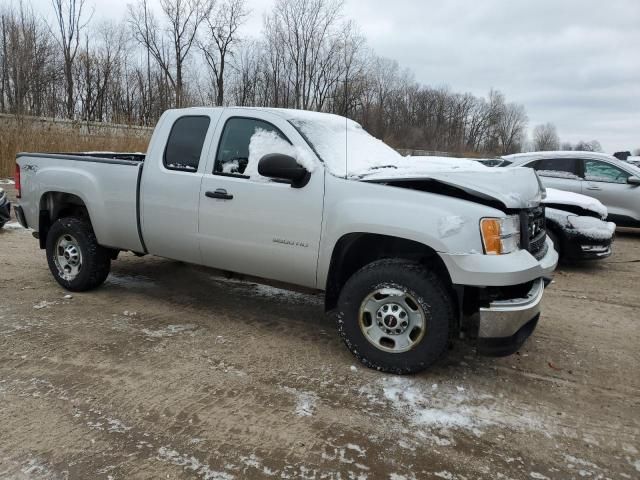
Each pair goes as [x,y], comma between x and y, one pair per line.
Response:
[343,145]
[349,151]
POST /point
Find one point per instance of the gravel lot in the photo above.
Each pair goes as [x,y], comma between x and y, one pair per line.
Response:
[174,371]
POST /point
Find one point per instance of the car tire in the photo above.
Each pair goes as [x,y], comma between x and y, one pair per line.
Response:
[378,337]
[75,258]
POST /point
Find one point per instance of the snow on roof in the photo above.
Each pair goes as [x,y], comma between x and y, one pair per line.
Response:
[560,197]
[557,154]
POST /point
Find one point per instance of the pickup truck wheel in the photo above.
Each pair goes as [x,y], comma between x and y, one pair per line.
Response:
[75,259]
[394,316]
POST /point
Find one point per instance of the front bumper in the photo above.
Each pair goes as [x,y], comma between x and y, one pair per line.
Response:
[499,270]
[506,324]
[581,247]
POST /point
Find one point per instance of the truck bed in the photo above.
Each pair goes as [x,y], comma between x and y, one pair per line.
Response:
[107,183]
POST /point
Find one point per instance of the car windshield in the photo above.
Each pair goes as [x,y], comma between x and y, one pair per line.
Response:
[343,145]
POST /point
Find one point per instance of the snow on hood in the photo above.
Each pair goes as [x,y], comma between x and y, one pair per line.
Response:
[560,197]
[348,151]
[587,226]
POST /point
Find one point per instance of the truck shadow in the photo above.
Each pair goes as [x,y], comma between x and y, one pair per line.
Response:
[207,291]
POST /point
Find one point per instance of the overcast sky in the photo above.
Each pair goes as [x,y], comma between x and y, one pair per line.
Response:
[575,63]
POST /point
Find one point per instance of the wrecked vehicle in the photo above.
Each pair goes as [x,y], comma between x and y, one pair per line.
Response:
[407,259]
[614,182]
[577,226]
[5,208]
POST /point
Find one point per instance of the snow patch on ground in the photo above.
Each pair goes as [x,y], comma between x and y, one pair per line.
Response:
[451,407]
[44,304]
[116,426]
[168,331]
[36,468]
[7,181]
[538,476]
[305,401]
[189,462]
[13,226]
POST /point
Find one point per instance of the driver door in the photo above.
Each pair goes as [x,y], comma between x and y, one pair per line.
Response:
[253,225]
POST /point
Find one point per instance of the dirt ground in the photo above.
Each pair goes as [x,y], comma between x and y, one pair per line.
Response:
[174,371]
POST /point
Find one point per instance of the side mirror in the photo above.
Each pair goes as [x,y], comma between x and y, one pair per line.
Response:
[633,180]
[283,168]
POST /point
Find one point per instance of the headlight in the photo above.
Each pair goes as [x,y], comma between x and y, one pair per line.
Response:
[500,235]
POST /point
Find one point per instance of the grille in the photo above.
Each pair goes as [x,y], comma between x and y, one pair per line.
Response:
[533,231]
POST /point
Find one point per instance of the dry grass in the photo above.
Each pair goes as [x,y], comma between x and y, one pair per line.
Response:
[28,135]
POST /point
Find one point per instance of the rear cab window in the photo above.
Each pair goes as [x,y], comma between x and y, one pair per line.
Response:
[185,142]
[557,168]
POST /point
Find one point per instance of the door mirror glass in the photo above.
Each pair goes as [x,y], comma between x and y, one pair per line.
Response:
[283,168]
[633,180]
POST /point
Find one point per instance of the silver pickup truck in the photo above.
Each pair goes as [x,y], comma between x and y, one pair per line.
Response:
[408,258]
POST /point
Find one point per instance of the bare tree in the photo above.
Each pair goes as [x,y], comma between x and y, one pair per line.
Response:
[592,146]
[71,22]
[222,26]
[169,46]
[303,27]
[566,146]
[545,138]
[510,127]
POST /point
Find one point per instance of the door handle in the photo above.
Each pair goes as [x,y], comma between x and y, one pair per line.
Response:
[593,187]
[219,193]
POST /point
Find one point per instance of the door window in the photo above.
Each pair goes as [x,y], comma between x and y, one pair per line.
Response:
[556,167]
[233,151]
[596,171]
[185,142]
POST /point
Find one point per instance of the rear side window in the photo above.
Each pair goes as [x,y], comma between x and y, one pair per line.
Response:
[185,142]
[233,151]
[556,167]
[596,171]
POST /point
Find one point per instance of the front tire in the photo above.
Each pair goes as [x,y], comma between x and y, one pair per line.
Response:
[395,316]
[75,258]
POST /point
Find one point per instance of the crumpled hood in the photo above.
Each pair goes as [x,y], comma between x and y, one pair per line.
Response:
[513,187]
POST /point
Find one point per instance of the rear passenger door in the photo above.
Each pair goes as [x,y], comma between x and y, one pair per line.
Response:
[170,192]
[560,173]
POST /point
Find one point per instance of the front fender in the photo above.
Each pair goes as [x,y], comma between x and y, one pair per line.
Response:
[445,224]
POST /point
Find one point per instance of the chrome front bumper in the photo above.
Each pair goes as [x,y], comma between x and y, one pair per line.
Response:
[506,324]
[504,318]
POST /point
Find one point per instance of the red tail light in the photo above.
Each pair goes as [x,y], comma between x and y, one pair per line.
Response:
[16,179]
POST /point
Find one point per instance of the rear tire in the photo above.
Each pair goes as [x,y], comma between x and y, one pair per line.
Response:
[75,259]
[395,316]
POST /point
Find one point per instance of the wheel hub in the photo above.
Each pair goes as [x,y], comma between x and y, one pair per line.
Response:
[68,258]
[392,320]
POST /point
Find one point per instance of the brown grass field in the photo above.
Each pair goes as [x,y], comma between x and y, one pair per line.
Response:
[37,135]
